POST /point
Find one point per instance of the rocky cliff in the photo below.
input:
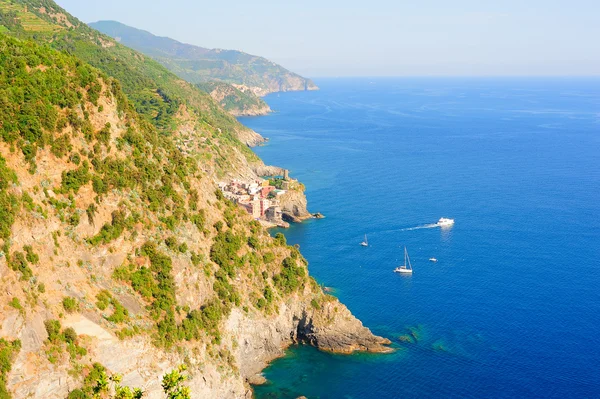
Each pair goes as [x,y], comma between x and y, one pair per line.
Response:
[294,206]
[238,100]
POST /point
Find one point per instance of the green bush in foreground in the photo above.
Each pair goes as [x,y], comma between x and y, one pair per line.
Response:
[70,304]
[8,351]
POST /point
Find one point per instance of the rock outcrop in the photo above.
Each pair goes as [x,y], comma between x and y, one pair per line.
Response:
[330,327]
[250,137]
[294,206]
[268,170]
[238,100]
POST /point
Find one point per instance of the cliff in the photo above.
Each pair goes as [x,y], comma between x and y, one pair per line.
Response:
[238,101]
[198,64]
[116,248]
[294,206]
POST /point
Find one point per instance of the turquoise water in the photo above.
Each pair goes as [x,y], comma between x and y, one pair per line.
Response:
[512,308]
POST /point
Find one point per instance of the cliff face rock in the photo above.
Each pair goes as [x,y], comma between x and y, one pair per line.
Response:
[267,170]
[250,137]
[329,327]
[333,328]
[294,206]
[238,100]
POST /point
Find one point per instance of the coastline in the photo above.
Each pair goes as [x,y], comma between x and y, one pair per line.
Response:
[331,328]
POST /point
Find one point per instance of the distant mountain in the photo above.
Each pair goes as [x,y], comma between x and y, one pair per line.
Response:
[197,64]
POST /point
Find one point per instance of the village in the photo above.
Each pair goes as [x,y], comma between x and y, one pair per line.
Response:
[260,197]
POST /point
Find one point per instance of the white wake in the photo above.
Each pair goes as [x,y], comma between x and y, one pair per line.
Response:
[423,226]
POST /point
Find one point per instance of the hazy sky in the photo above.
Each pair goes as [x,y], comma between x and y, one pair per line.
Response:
[379,37]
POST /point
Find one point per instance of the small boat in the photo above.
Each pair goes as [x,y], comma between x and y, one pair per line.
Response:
[432,259]
[365,243]
[443,222]
[406,267]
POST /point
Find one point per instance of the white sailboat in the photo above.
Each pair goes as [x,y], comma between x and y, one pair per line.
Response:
[365,243]
[406,267]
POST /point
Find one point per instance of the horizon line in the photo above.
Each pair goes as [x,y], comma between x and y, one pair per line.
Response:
[456,76]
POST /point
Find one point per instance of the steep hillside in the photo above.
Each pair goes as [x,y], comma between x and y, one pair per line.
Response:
[237,101]
[197,64]
[118,253]
[163,99]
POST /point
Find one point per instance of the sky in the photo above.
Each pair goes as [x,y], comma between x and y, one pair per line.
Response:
[319,38]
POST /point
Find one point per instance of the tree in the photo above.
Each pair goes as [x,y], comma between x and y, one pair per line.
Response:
[172,383]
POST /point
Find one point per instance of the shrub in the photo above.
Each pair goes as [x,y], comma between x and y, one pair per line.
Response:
[72,180]
[8,351]
[110,232]
[18,263]
[280,240]
[70,304]
[104,298]
[253,242]
[120,314]
[70,336]
[78,394]
[53,330]
[30,255]
[15,303]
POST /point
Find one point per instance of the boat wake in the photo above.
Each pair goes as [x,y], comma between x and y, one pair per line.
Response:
[423,226]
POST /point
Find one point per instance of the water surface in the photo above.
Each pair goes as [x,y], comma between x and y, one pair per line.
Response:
[512,308]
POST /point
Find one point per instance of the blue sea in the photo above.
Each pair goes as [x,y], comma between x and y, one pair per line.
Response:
[512,307]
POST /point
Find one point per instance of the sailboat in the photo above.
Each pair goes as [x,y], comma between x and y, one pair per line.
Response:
[407,267]
[365,243]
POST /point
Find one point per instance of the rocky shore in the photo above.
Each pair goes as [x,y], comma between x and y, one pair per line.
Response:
[330,327]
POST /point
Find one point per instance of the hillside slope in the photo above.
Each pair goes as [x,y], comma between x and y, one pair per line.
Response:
[162,98]
[197,64]
[118,254]
[238,101]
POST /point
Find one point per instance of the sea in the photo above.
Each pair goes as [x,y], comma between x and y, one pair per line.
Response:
[511,309]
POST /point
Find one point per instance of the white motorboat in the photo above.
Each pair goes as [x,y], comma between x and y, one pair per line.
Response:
[406,268]
[444,222]
[432,259]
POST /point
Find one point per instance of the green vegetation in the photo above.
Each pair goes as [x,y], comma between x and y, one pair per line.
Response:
[280,240]
[8,351]
[172,384]
[119,315]
[234,100]
[110,232]
[16,303]
[99,384]
[70,304]
[30,255]
[18,263]
[8,202]
[156,285]
[276,182]
[156,93]
[59,339]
